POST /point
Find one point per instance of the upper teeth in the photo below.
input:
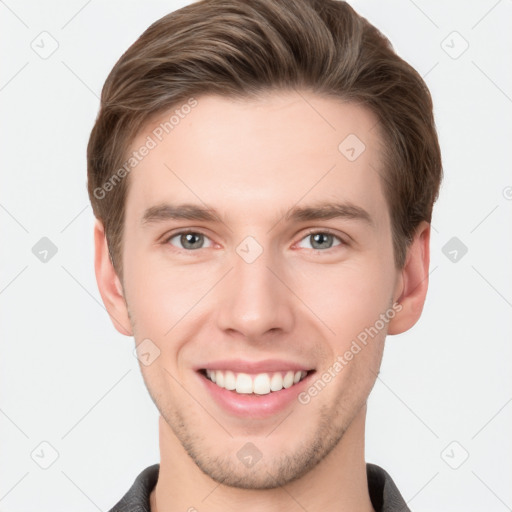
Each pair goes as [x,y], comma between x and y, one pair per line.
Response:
[261,384]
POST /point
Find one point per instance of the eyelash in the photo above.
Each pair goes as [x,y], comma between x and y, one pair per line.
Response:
[308,234]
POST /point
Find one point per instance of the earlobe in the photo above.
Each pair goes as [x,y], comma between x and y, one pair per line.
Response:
[411,289]
[109,284]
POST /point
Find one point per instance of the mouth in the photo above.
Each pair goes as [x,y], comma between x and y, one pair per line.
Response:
[254,384]
[254,389]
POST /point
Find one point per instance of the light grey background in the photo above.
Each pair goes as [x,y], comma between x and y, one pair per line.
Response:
[67,378]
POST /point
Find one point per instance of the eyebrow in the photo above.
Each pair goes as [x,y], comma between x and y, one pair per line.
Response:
[327,211]
[323,211]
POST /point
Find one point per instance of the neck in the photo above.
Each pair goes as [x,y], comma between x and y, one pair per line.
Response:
[338,483]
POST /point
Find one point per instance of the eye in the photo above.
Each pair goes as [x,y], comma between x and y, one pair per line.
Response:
[320,240]
[189,240]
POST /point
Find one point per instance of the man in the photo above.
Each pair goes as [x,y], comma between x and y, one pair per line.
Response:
[263,175]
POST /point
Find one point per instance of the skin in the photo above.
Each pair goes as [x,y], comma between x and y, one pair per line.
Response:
[252,161]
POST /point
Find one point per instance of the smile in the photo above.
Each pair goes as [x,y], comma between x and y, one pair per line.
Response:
[259,384]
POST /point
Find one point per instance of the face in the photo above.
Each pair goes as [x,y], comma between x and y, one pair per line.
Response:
[257,250]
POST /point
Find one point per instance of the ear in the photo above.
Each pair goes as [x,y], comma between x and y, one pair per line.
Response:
[110,287]
[412,284]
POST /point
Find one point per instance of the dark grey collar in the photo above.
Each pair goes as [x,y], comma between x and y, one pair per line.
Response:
[384,494]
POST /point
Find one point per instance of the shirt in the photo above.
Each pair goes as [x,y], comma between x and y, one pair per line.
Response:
[384,495]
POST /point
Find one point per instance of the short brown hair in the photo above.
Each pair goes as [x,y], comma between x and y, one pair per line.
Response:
[237,48]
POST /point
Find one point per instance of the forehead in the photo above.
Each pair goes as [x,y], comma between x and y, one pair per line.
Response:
[276,151]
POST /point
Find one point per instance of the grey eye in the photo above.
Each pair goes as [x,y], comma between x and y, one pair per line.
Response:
[190,240]
[320,241]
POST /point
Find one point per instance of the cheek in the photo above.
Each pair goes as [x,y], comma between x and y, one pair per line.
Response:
[148,295]
[346,297]
[163,298]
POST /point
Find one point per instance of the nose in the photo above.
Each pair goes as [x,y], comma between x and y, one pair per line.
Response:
[255,300]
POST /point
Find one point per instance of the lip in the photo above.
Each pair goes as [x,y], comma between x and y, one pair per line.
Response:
[252,405]
[254,367]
